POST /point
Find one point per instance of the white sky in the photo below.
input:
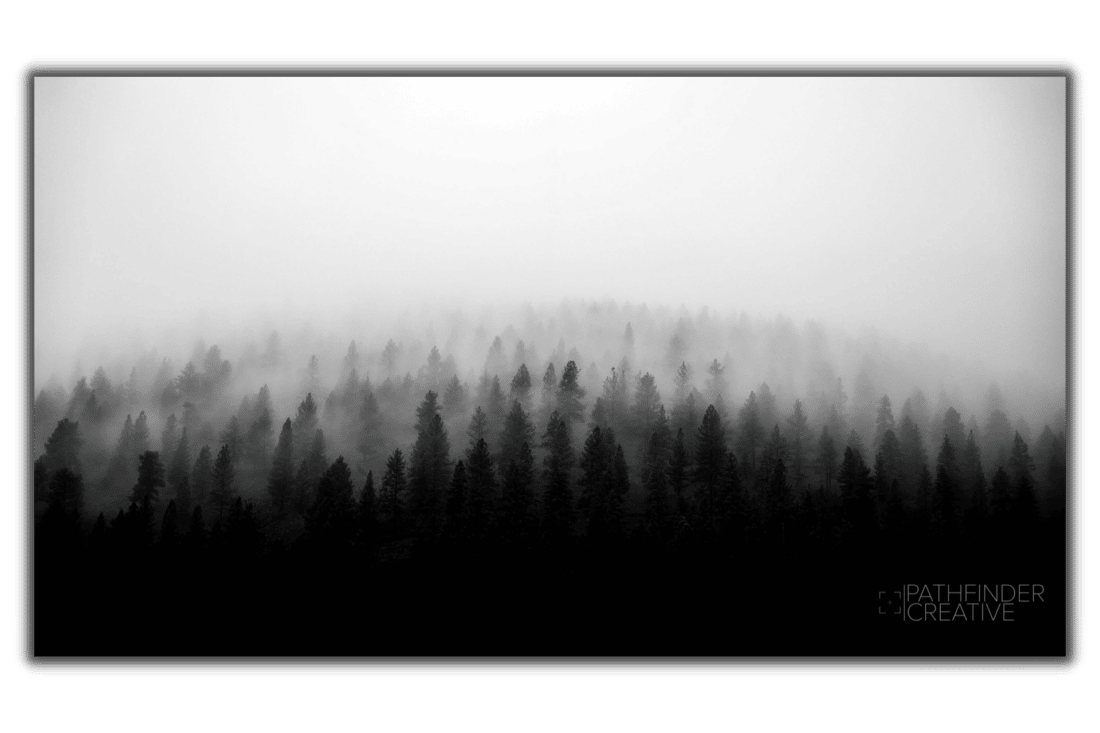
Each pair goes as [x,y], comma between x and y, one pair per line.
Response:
[933,208]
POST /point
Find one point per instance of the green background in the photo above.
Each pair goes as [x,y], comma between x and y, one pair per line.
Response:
[708,28]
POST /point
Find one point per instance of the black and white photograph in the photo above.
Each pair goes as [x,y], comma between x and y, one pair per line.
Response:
[549,364]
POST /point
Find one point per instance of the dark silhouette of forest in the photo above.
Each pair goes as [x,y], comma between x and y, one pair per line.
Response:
[530,512]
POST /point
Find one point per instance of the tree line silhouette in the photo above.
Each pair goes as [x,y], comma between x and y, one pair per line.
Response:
[537,523]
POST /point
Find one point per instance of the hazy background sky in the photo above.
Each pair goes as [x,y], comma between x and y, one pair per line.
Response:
[931,208]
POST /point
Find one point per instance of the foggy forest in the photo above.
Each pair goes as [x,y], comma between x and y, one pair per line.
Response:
[595,478]
[484,365]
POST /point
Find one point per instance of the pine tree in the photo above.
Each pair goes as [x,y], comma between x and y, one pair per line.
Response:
[827,452]
[367,511]
[120,469]
[495,361]
[231,437]
[495,410]
[732,509]
[169,527]
[310,471]
[855,442]
[750,433]
[594,464]
[798,439]
[945,503]
[369,439]
[280,482]
[913,456]
[998,437]
[258,441]
[183,495]
[390,356]
[679,471]
[305,422]
[647,406]
[517,500]
[223,490]
[517,431]
[947,458]
[655,479]
[457,510]
[716,384]
[884,421]
[179,468]
[977,508]
[1025,505]
[685,417]
[549,386]
[66,494]
[570,395]
[331,520]
[63,448]
[890,451]
[520,389]
[950,507]
[953,428]
[81,393]
[169,437]
[682,381]
[150,479]
[970,462]
[141,435]
[202,475]
[557,514]
[1020,462]
[429,466]
[924,497]
[618,487]
[454,399]
[880,480]
[392,498]
[482,497]
[710,459]
[427,411]
[777,501]
[774,449]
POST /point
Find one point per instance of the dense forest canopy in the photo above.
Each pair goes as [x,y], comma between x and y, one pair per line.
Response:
[291,396]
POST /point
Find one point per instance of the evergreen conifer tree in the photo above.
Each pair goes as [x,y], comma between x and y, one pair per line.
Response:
[429,467]
[280,481]
[517,500]
[798,438]
[223,481]
[150,479]
[570,395]
[827,452]
[710,460]
[63,448]
[305,422]
[520,389]
[557,511]
[679,472]
[392,497]
[750,433]
[482,492]
[367,516]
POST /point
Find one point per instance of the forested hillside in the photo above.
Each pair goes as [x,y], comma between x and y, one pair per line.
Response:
[580,486]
